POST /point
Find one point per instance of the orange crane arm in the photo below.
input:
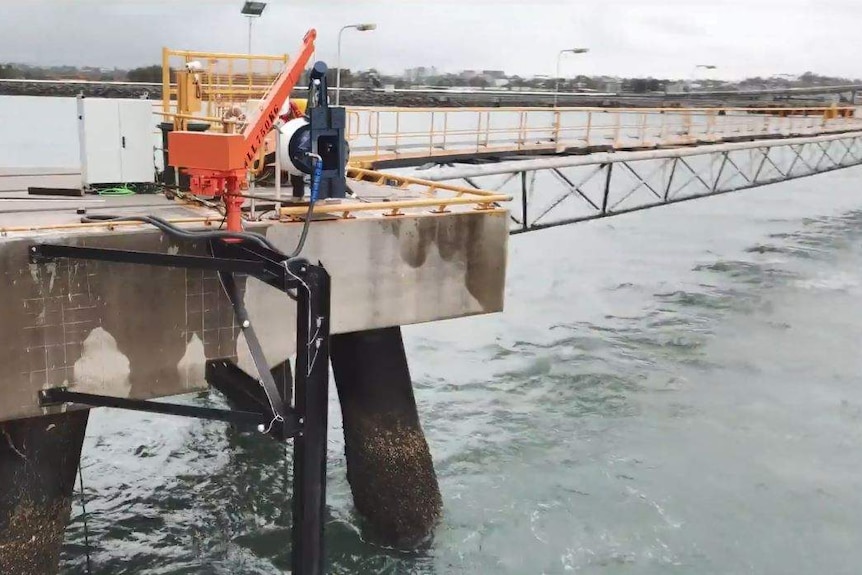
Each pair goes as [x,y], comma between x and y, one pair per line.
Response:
[223,155]
[256,131]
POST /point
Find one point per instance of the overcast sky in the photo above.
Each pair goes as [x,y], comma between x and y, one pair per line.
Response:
[660,38]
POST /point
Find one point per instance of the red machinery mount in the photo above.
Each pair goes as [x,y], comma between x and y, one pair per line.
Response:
[218,163]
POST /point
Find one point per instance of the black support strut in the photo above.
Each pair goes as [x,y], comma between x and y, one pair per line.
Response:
[264,405]
[312,397]
[60,395]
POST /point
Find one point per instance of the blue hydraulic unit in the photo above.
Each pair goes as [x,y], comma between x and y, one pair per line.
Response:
[317,139]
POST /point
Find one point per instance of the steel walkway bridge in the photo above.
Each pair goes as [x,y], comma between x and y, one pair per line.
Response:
[561,166]
[550,166]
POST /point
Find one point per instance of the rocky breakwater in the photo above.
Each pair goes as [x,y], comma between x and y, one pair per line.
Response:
[353,98]
[87,89]
[410,99]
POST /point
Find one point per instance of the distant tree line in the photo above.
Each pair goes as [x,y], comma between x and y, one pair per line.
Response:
[145,74]
[28,72]
[373,79]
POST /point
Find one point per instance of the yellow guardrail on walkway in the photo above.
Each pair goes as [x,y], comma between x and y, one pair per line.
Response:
[438,196]
[214,84]
[379,134]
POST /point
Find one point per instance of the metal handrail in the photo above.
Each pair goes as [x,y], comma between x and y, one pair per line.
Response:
[596,109]
[481,129]
[483,200]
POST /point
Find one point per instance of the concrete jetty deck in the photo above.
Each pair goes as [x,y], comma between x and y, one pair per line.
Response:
[142,332]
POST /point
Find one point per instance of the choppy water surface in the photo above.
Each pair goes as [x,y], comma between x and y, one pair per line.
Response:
[671,391]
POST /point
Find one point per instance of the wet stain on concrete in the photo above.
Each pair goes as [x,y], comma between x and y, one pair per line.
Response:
[415,239]
[102,369]
[470,240]
[150,314]
[192,365]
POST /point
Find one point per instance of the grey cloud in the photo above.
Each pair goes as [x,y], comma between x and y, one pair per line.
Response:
[664,38]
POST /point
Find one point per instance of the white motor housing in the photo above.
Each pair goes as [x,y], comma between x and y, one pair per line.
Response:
[295,144]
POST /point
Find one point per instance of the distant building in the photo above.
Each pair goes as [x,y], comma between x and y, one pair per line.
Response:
[677,87]
[613,85]
[420,74]
[493,75]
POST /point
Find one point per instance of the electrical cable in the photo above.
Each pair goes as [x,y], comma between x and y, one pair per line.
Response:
[84,515]
[315,190]
[255,237]
[118,191]
[178,232]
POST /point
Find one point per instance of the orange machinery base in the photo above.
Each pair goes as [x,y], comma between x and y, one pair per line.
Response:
[216,164]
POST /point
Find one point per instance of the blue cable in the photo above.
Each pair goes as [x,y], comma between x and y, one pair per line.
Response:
[318,175]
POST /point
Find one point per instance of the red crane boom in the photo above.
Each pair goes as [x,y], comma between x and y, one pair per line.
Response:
[218,163]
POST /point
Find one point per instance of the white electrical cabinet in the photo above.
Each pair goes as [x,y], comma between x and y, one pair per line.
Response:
[116,140]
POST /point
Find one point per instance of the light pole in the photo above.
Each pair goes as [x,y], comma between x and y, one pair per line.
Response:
[360,28]
[559,57]
[252,10]
[694,73]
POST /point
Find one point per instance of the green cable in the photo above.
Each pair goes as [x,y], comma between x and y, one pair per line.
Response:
[119,191]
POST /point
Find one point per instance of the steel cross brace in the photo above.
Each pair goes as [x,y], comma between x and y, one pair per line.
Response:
[61,395]
[306,423]
[244,256]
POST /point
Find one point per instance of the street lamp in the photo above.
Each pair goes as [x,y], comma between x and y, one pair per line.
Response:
[252,10]
[559,56]
[360,28]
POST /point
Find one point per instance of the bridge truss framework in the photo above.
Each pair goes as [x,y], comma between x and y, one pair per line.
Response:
[549,192]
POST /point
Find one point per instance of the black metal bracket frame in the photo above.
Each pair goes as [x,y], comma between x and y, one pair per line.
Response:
[55,396]
[306,421]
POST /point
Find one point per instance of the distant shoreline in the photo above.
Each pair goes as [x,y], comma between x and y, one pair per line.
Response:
[404,98]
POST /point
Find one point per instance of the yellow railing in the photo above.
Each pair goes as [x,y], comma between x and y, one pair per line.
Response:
[435,197]
[387,133]
[210,84]
[405,195]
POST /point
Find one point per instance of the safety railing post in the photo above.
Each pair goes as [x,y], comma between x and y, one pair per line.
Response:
[687,124]
[397,130]
[376,134]
[431,135]
[166,82]
[230,74]
[557,128]
[642,138]
[522,134]
[710,124]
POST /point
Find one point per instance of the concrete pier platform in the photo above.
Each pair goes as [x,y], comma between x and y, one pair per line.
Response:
[17,179]
[396,256]
[144,332]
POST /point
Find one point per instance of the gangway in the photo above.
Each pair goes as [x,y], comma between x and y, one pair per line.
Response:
[393,137]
